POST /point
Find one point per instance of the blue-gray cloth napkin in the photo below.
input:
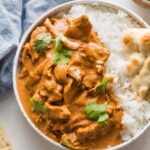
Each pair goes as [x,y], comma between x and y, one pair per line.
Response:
[15,17]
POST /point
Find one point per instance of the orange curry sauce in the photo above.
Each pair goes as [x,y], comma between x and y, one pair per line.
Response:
[68,86]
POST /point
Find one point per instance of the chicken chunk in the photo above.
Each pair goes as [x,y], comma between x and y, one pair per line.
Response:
[80,28]
[69,140]
[60,72]
[70,43]
[90,53]
[36,32]
[70,91]
[90,80]
[58,112]
[92,131]
[35,75]
[74,140]
[54,90]
[76,72]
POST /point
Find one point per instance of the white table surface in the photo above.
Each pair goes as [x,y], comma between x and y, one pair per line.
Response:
[23,137]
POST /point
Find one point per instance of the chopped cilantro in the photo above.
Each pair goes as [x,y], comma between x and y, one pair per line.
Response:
[103,118]
[38,106]
[102,87]
[97,112]
[61,54]
[42,43]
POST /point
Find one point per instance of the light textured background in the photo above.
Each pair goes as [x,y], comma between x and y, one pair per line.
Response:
[23,137]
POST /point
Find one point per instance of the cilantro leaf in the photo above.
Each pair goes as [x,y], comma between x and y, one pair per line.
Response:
[66,52]
[38,106]
[62,54]
[95,111]
[103,118]
[102,87]
[42,43]
[56,58]
[58,45]
[64,59]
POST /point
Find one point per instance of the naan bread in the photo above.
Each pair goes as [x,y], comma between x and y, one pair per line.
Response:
[137,50]
[4,144]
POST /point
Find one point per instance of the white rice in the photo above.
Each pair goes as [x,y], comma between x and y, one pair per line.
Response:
[110,24]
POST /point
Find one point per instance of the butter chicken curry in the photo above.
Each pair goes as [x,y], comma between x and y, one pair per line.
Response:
[63,87]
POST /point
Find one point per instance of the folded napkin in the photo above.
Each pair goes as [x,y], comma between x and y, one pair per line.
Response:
[15,17]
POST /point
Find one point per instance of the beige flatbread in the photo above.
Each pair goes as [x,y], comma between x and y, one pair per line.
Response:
[144,3]
[4,143]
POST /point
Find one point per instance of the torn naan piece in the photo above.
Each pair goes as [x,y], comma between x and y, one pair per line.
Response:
[137,50]
[4,143]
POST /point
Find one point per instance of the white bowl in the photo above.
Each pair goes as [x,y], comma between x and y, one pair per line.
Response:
[51,12]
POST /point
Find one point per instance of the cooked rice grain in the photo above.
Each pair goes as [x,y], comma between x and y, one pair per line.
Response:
[110,24]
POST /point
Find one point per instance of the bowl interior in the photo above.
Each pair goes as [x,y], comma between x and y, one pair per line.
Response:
[64,8]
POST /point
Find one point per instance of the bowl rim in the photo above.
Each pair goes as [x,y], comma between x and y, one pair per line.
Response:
[23,40]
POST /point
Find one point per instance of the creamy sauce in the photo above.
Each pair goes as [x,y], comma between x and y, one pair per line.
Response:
[111,139]
[65,89]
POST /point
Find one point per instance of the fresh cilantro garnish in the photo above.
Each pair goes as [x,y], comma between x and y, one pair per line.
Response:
[61,54]
[103,118]
[102,87]
[42,43]
[58,45]
[38,106]
[93,110]
[97,112]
